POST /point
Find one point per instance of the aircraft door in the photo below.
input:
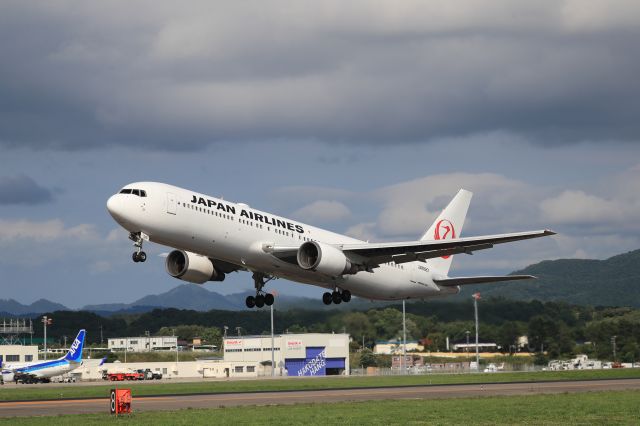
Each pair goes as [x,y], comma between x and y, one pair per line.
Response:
[171,203]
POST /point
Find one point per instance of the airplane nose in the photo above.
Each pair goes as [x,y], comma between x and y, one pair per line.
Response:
[115,207]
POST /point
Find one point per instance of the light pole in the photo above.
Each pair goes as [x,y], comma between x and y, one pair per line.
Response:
[404,341]
[467,348]
[273,367]
[173,331]
[476,297]
[46,321]
[146,333]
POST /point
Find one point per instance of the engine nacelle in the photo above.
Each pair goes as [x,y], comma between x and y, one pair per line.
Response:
[324,259]
[192,267]
[7,376]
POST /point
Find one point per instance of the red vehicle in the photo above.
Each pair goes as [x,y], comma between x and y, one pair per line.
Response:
[119,377]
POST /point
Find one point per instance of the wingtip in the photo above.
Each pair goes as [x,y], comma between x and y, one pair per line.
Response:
[549,232]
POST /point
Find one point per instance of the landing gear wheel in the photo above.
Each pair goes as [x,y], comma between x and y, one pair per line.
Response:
[259,301]
[346,296]
[326,298]
[269,299]
[250,301]
[139,256]
[337,299]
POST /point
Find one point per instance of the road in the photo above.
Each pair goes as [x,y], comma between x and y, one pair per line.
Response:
[177,402]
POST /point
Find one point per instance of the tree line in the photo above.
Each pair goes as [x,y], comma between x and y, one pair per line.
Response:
[559,329]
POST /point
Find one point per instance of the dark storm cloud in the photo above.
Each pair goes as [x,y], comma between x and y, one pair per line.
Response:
[78,75]
[22,190]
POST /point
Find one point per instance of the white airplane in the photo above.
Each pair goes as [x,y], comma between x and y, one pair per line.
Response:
[213,237]
[41,371]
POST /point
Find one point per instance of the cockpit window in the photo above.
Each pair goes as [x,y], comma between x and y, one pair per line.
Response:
[138,192]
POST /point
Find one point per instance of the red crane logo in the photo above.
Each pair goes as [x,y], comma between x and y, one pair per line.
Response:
[444,231]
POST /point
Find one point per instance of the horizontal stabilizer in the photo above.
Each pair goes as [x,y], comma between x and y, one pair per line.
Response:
[452,282]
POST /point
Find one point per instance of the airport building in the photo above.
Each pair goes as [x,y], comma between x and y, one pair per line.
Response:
[18,354]
[312,354]
[206,369]
[143,344]
[394,347]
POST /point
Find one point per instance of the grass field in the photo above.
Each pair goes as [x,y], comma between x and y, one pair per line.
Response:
[562,409]
[25,392]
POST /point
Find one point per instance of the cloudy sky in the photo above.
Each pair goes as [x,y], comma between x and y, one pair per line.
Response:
[362,117]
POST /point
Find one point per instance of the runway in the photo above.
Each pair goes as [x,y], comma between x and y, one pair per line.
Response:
[177,402]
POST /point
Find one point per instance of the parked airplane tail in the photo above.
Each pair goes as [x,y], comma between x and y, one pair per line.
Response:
[448,225]
[75,351]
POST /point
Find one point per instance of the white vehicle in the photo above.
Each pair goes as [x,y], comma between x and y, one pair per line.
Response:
[213,237]
[42,371]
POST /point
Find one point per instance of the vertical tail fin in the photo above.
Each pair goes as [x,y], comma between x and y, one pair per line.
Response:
[75,351]
[448,225]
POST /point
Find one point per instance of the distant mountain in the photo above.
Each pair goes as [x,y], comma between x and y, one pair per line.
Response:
[198,298]
[611,282]
[184,296]
[40,306]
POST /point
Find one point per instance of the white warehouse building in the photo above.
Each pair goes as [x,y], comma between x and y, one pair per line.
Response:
[18,354]
[312,354]
[143,344]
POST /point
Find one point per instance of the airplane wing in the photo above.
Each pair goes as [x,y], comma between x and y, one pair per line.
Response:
[372,255]
[456,281]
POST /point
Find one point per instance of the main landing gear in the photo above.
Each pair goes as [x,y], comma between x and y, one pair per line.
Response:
[338,296]
[138,238]
[261,297]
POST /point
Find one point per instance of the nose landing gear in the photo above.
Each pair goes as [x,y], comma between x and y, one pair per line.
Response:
[338,296]
[261,299]
[138,238]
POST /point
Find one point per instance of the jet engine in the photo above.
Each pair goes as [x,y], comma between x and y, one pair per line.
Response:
[7,376]
[192,267]
[324,259]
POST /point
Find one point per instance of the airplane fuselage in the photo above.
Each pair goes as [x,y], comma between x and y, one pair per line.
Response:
[240,235]
[43,369]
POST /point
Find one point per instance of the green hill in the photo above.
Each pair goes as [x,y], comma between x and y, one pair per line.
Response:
[611,282]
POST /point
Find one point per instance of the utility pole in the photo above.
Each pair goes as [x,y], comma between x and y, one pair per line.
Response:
[476,297]
[613,345]
[45,321]
[404,341]
[238,330]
